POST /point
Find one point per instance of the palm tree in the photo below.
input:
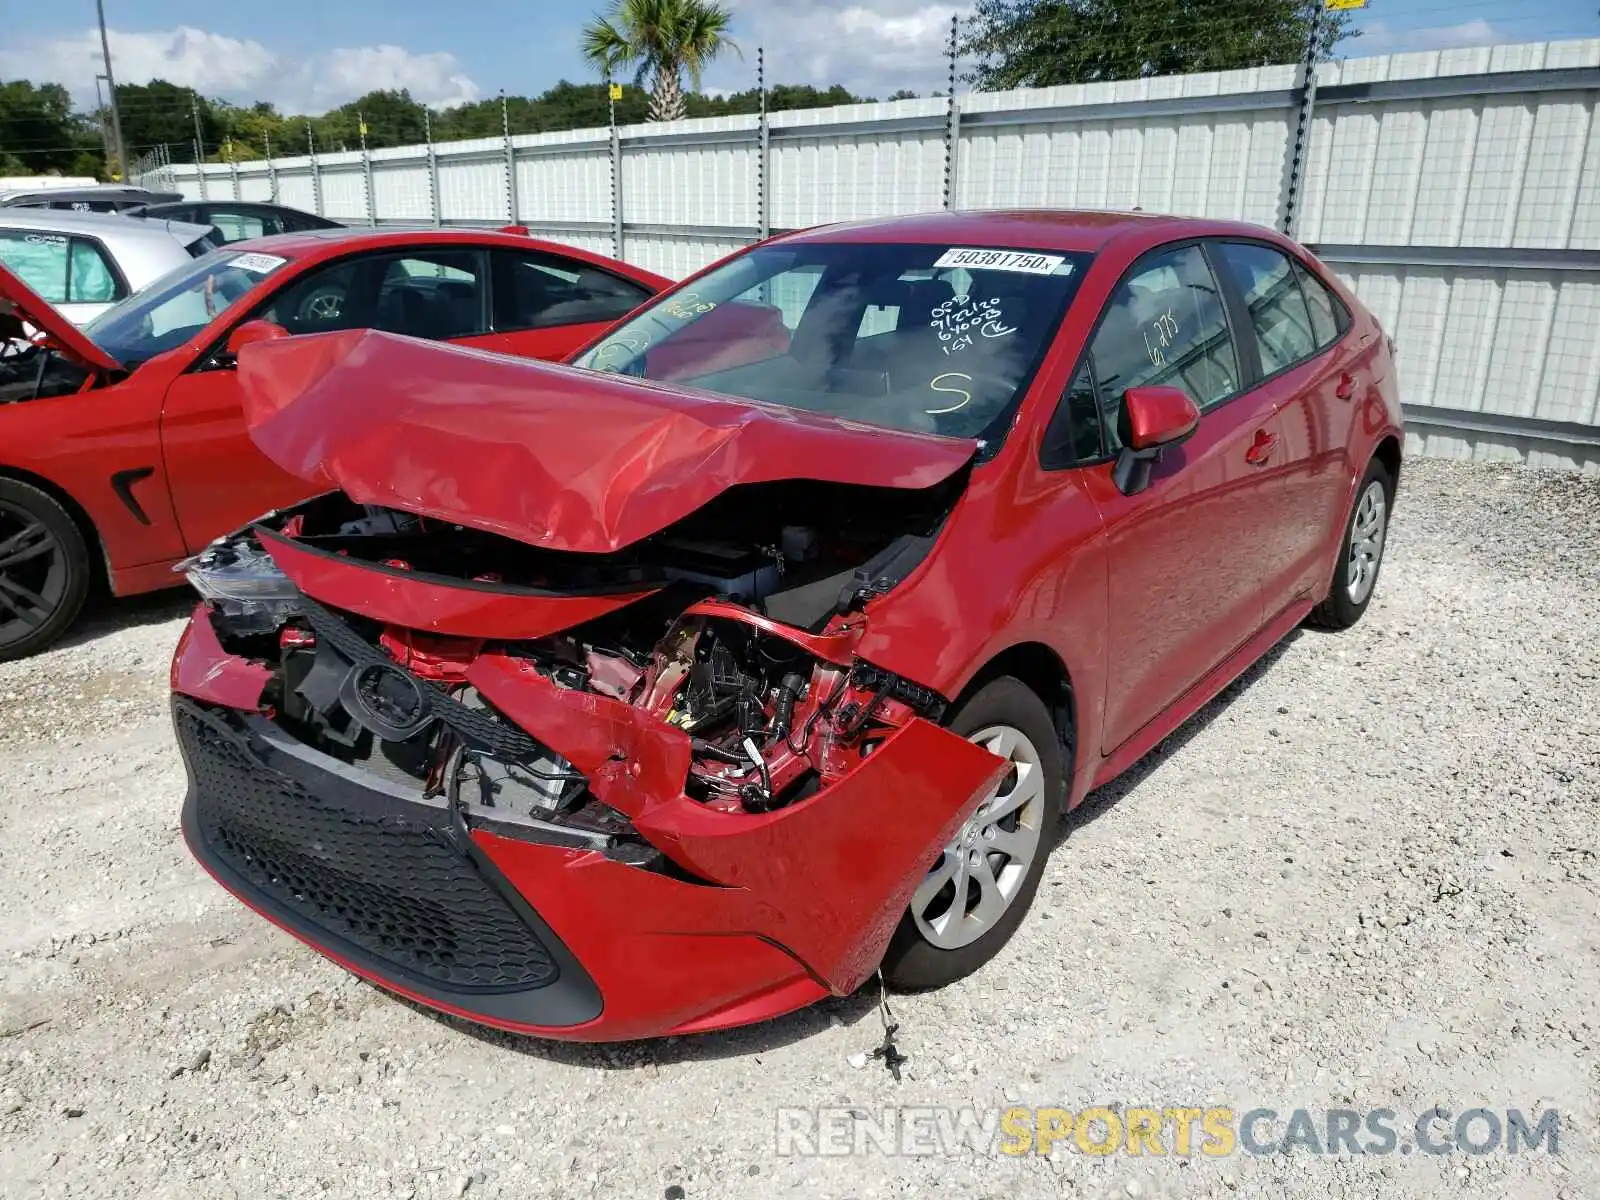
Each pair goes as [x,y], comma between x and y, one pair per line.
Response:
[659,40]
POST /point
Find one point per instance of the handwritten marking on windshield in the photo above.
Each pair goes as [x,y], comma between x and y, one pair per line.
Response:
[966,396]
[686,306]
[959,319]
[618,351]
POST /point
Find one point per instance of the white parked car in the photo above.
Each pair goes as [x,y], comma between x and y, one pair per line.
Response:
[83,263]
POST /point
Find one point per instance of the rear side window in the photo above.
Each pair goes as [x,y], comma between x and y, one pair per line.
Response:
[535,291]
[1166,325]
[1278,312]
[39,260]
[237,226]
[1328,317]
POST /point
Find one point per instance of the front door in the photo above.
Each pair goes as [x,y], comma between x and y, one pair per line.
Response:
[1186,554]
[220,481]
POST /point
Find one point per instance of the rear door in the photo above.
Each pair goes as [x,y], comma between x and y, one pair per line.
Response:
[1186,554]
[75,275]
[1293,325]
[220,481]
[546,306]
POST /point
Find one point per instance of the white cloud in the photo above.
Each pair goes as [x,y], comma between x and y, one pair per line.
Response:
[242,71]
[872,50]
[1378,37]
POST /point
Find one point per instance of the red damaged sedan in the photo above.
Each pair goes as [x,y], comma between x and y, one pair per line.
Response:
[683,690]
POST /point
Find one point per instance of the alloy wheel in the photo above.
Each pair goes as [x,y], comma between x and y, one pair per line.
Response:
[983,868]
[33,573]
[1366,541]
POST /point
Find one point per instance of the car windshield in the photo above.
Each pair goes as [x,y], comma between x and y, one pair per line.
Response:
[931,338]
[178,305]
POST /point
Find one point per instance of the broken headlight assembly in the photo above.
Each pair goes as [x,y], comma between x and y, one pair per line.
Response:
[241,581]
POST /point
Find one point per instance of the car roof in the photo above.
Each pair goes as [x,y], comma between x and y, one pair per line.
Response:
[325,241]
[92,224]
[104,191]
[1024,228]
[241,205]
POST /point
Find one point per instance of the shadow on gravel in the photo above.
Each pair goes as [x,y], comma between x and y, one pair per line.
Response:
[857,1012]
[106,615]
[860,1007]
[1103,797]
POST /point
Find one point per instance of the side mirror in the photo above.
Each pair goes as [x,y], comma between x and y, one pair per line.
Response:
[243,335]
[254,331]
[1154,419]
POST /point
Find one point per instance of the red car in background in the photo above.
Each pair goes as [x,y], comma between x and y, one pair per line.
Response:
[686,689]
[123,445]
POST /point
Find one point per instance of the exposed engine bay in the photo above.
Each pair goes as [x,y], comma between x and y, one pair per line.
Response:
[735,627]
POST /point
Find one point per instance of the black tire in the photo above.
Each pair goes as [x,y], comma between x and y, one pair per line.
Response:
[1339,610]
[44,578]
[912,963]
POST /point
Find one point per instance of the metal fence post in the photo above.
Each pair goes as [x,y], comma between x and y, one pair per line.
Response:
[199,143]
[233,170]
[616,176]
[272,171]
[1300,143]
[512,206]
[316,172]
[763,151]
[366,171]
[433,167]
[952,123]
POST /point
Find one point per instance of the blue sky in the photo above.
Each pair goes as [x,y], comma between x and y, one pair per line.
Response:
[312,54]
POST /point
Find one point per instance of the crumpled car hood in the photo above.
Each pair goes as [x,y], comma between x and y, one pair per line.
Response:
[558,457]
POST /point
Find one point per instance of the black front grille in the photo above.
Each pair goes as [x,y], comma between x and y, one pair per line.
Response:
[374,870]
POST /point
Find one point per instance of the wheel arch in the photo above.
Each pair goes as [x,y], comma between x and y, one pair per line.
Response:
[98,559]
[1044,672]
[1388,452]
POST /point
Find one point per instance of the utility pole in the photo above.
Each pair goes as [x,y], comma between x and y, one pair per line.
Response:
[111,83]
[199,143]
[105,125]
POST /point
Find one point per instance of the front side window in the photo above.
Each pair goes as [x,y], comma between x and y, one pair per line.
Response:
[39,260]
[538,291]
[931,338]
[1166,326]
[426,293]
[178,305]
[433,294]
[1278,312]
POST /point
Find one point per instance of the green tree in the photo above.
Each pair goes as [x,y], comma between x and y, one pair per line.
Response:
[1041,43]
[660,41]
[41,135]
[159,113]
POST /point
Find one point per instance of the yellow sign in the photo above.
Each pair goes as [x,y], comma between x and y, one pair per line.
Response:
[363,129]
[1342,5]
[616,91]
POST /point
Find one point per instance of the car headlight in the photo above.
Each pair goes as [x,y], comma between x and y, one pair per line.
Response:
[241,581]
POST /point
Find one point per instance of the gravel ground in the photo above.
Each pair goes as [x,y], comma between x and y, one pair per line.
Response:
[1365,877]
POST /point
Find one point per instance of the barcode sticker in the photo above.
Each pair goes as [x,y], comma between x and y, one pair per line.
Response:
[1001,260]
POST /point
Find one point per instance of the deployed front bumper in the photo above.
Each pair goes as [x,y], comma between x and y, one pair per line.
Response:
[755,915]
[395,889]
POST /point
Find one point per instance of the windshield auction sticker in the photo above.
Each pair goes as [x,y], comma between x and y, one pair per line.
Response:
[257,264]
[1000,260]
